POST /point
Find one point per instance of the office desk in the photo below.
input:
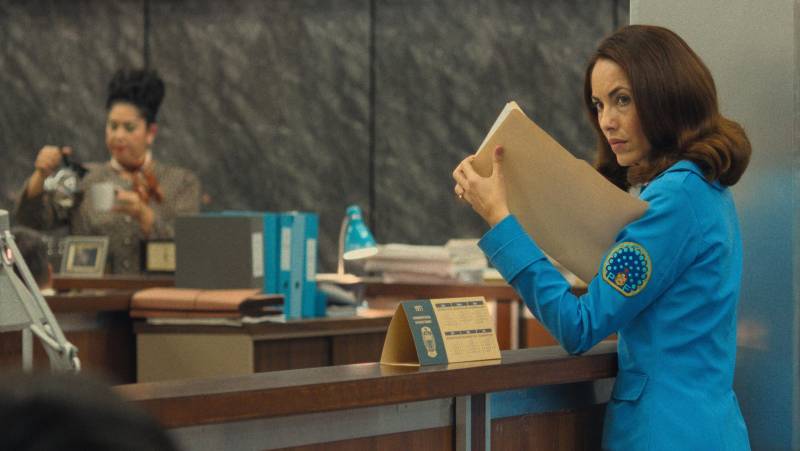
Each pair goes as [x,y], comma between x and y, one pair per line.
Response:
[507,311]
[189,351]
[363,345]
[370,406]
[97,323]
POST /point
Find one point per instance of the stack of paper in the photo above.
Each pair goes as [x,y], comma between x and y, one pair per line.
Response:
[468,260]
[412,263]
[456,261]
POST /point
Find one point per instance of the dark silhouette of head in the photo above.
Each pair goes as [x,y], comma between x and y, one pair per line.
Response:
[52,411]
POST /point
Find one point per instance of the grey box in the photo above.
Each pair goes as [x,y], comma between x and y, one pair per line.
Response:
[216,251]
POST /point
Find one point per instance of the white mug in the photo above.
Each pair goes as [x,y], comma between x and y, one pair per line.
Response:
[102,195]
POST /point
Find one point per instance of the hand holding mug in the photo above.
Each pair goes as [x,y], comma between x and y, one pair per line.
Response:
[129,203]
[102,196]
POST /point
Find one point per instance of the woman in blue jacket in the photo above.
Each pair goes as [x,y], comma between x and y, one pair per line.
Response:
[670,285]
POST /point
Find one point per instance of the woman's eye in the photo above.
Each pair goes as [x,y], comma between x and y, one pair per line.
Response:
[623,100]
[597,106]
[130,127]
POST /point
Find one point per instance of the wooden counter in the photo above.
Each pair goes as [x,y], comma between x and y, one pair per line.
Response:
[113,282]
[90,301]
[224,401]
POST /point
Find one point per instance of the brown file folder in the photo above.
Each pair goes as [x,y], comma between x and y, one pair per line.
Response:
[572,211]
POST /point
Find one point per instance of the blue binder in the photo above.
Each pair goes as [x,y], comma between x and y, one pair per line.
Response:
[285,263]
[272,245]
[310,307]
[297,263]
[306,228]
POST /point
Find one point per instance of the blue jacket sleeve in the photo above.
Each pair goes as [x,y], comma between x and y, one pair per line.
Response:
[648,256]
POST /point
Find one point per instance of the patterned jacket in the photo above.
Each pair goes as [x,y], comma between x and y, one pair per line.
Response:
[181,190]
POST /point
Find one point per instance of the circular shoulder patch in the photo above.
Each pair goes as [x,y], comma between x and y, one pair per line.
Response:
[627,268]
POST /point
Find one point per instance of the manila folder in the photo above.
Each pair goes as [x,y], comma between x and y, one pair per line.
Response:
[570,209]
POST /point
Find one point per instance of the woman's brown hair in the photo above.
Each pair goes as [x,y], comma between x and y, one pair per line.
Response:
[676,101]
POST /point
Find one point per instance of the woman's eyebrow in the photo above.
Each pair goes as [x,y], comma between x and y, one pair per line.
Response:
[613,92]
[616,90]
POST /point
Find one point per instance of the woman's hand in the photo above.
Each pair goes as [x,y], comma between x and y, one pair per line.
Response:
[129,203]
[47,161]
[486,195]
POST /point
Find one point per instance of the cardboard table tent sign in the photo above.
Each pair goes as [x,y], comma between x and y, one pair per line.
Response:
[440,331]
[570,209]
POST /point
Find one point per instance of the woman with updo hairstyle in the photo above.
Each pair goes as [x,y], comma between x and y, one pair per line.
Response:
[147,195]
[669,286]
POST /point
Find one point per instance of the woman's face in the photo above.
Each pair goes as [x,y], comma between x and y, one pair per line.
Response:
[127,134]
[616,113]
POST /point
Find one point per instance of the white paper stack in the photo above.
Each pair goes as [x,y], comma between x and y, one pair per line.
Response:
[428,264]
[468,260]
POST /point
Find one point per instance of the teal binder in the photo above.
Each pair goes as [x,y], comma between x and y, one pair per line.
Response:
[297,248]
[310,307]
[272,245]
[285,262]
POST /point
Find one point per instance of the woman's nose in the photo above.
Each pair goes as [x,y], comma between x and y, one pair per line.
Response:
[607,120]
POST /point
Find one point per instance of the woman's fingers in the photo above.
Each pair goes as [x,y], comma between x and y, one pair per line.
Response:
[459,190]
[467,169]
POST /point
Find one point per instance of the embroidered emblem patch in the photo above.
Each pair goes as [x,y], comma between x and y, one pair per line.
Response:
[627,268]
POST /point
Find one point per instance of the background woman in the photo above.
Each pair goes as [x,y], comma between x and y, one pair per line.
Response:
[670,285]
[148,194]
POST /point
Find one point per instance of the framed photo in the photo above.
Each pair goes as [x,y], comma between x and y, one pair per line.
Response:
[158,256]
[84,256]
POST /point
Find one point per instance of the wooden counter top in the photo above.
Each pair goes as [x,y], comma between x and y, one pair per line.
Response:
[90,301]
[368,321]
[282,393]
[117,282]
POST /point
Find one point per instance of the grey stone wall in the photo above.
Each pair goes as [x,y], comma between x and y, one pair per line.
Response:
[304,104]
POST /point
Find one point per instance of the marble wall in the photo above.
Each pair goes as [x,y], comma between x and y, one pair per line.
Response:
[272,102]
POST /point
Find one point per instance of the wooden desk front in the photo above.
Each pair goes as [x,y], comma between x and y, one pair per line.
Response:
[308,409]
[189,351]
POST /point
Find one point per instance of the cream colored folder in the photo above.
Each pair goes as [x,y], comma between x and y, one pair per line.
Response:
[572,211]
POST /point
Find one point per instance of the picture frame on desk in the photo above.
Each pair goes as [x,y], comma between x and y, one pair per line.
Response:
[84,256]
[158,257]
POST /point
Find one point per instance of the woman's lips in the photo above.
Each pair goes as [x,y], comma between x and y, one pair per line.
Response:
[616,144]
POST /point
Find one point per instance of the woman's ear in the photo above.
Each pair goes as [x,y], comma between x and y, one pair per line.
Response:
[152,129]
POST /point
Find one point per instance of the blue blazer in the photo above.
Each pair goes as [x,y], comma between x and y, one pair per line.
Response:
[668,288]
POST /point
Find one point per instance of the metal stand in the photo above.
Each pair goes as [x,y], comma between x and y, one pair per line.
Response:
[22,307]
